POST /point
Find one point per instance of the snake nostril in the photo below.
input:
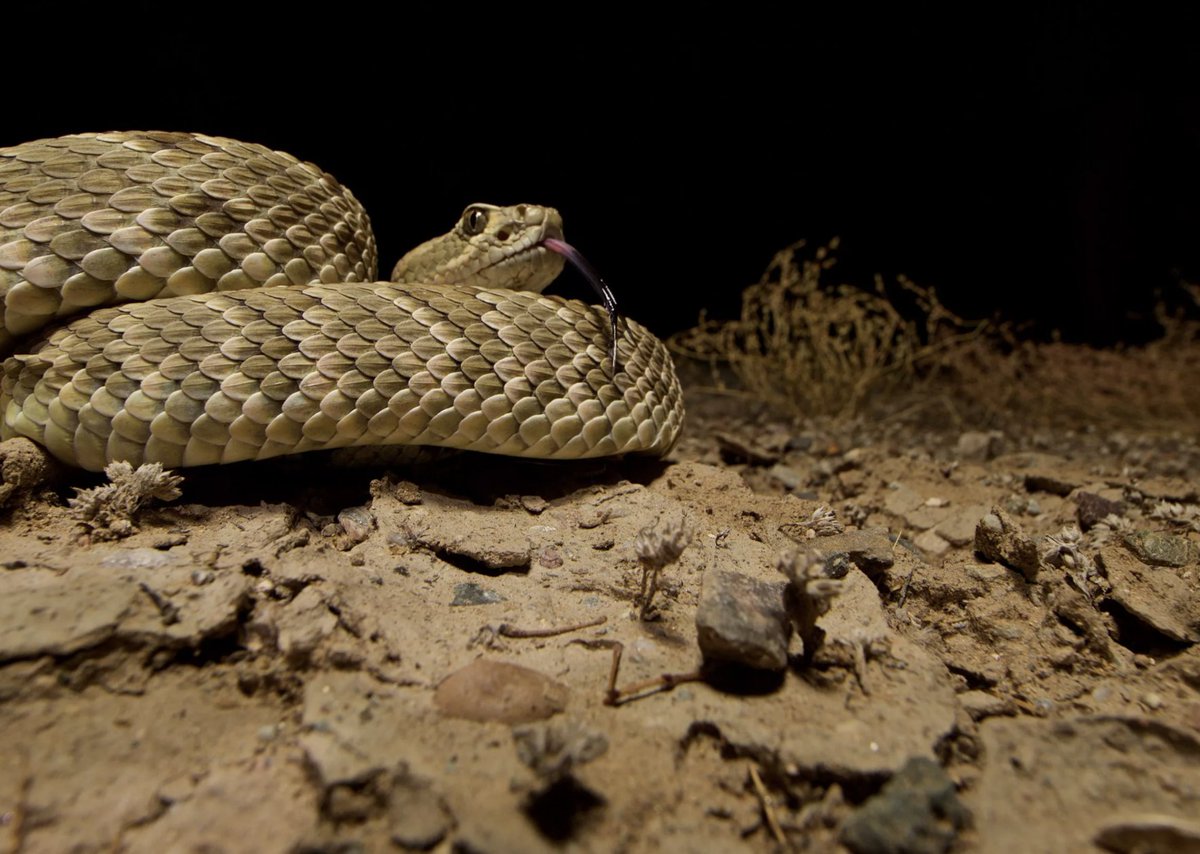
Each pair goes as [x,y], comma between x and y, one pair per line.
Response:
[521,211]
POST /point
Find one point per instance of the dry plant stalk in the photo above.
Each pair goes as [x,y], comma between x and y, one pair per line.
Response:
[809,594]
[811,348]
[656,548]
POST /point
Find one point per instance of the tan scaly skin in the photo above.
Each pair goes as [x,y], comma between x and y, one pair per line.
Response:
[249,346]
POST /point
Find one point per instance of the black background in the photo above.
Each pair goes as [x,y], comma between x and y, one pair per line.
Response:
[1043,163]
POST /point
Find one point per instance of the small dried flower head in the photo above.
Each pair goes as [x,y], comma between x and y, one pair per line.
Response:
[111,507]
[824,522]
[661,545]
[1063,549]
[1175,513]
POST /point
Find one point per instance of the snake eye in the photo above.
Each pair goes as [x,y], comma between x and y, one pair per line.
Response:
[474,221]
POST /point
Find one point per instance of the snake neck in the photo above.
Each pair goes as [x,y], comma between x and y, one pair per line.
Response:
[489,247]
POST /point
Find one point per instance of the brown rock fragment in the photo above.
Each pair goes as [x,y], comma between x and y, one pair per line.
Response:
[1092,508]
[1156,597]
[868,550]
[487,690]
[742,620]
[999,538]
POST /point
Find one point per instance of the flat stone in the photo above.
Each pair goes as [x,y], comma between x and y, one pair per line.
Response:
[469,537]
[930,543]
[489,690]
[57,615]
[1159,549]
[981,704]
[926,517]
[901,500]
[1000,539]
[916,812]
[1156,597]
[742,620]
[958,528]
[868,550]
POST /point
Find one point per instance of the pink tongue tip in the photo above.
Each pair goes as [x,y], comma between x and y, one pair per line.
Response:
[598,284]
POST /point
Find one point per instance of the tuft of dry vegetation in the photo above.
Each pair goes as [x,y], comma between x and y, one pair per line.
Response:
[810,346]
[107,512]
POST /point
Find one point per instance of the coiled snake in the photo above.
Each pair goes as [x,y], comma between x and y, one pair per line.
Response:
[258,330]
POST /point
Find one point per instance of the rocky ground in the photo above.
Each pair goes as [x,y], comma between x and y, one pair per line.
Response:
[859,639]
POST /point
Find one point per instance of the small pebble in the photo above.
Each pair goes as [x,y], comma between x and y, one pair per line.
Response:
[470,593]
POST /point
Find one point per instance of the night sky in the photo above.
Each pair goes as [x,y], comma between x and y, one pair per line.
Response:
[1040,164]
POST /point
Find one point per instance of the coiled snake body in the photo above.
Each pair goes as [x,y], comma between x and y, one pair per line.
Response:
[259,330]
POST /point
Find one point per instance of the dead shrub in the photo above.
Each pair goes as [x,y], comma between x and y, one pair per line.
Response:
[808,347]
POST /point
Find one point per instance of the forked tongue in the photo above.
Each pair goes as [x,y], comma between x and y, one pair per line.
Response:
[590,273]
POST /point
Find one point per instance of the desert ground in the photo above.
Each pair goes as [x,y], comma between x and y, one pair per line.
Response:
[937,618]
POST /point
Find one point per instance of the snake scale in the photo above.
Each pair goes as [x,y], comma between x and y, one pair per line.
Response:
[252,325]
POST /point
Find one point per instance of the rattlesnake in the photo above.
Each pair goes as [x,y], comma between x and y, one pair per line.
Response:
[258,329]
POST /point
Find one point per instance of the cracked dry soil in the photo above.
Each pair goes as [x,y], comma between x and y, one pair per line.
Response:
[263,664]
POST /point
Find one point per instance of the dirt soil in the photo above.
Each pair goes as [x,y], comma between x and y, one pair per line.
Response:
[296,657]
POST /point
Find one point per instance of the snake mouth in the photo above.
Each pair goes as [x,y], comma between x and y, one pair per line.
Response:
[535,244]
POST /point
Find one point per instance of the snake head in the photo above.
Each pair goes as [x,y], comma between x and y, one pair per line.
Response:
[489,247]
[519,247]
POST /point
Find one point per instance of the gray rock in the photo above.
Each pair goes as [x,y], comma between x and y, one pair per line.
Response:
[742,620]
[1162,549]
[1000,539]
[916,812]
[470,593]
